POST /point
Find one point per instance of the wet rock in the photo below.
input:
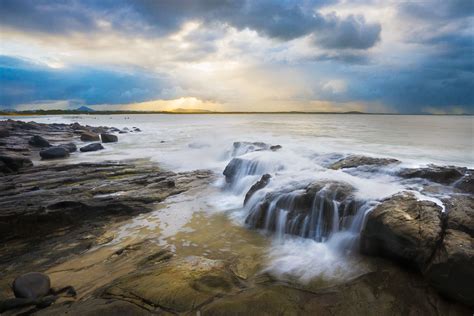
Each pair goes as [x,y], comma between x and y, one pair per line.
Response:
[439,174]
[108,138]
[176,286]
[13,163]
[54,153]
[4,132]
[38,141]
[241,148]
[233,168]
[70,147]
[356,161]
[403,228]
[92,147]
[311,212]
[89,137]
[275,147]
[260,184]
[451,270]
[31,285]
[60,196]
[466,183]
[460,210]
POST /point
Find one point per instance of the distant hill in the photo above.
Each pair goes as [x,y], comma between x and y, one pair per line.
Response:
[84,109]
[180,110]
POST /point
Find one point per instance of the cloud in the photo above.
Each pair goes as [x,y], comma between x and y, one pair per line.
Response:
[25,82]
[281,20]
[352,32]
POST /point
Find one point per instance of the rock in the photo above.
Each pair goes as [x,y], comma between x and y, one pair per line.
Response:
[177,286]
[108,138]
[403,228]
[136,129]
[4,132]
[466,183]
[38,141]
[70,147]
[241,148]
[12,163]
[309,212]
[89,137]
[354,161]
[60,196]
[439,174]
[123,132]
[54,153]
[275,147]
[260,184]
[240,167]
[92,147]
[31,285]
[460,211]
[452,269]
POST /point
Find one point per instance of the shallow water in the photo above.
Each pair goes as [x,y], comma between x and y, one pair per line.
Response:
[209,221]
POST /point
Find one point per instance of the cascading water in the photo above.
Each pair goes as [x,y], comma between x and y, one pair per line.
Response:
[319,209]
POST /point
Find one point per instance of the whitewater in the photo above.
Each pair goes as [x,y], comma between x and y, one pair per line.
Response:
[301,247]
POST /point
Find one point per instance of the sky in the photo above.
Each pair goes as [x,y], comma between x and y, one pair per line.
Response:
[222,55]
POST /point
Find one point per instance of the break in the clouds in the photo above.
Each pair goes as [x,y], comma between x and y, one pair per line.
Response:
[387,56]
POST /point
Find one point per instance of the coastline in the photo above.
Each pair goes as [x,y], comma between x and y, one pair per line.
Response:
[72,210]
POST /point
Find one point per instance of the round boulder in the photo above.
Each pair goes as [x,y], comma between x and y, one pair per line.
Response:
[38,141]
[31,285]
[54,153]
[92,147]
[90,137]
[70,147]
[108,138]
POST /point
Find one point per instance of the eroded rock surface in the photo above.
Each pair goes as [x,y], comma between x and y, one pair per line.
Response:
[439,174]
[440,245]
[404,228]
[357,160]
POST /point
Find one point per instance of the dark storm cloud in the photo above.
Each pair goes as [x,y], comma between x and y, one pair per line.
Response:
[437,9]
[284,20]
[25,82]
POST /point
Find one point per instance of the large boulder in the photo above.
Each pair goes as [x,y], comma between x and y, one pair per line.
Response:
[460,209]
[440,245]
[92,147]
[54,153]
[354,161]
[241,148]
[451,271]
[439,174]
[38,141]
[90,137]
[238,167]
[260,184]
[13,163]
[70,147]
[314,211]
[403,228]
[31,285]
[466,183]
[108,138]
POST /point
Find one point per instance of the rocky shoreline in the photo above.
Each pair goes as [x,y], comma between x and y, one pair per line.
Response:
[56,218]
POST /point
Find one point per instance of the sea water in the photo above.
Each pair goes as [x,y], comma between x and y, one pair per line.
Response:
[310,143]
